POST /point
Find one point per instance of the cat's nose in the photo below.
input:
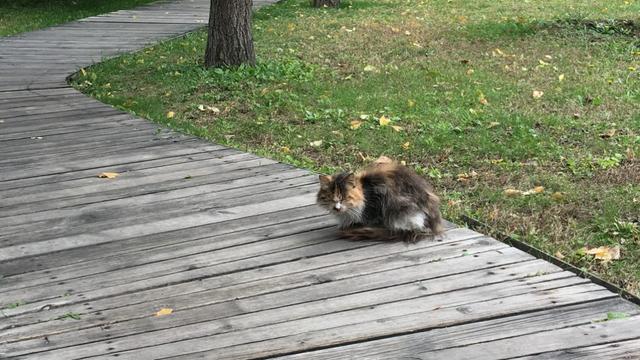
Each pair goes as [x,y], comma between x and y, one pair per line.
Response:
[337,206]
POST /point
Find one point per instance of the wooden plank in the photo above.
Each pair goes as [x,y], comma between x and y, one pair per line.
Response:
[230,336]
[81,164]
[421,314]
[257,303]
[418,345]
[89,223]
[95,220]
[621,350]
[567,338]
[251,270]
[46,263]
[131,179]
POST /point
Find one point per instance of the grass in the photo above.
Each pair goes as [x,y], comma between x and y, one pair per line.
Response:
[486,96]
[18,16]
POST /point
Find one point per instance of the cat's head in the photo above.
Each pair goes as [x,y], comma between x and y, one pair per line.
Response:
[340,193]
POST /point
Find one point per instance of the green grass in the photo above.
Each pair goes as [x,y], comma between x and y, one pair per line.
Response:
[459,79]
[18,16]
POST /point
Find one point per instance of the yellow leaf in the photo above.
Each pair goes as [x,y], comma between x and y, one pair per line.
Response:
[316,143]
[559,255]
[538,189]
[164,311]
[285,149]
[512,192]
[411,103]
[355,124]
[483,101]
[557,196]
[384,121]
[170,115]
[108,175]
[84,73]
[492,124]
[561,77]
[470,72]
[406,145]
[604,253]
[537,94]
[397,128]
[369,68]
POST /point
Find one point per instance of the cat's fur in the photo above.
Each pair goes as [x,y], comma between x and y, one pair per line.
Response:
[386,201]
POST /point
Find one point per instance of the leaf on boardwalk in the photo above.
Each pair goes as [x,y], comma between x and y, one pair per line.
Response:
[615,315]
[164,311]
[108,175]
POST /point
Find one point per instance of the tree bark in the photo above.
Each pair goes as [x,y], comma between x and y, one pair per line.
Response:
[230,42]
[329,3]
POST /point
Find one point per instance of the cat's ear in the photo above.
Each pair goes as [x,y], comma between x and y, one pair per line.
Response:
[351,180]
[325,180]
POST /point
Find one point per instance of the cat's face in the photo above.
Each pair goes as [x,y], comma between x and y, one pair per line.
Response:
[340,193]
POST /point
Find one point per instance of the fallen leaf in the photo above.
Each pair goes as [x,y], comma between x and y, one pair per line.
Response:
[630,154]
[604,253]
[559,255]
[492,124]
[170,114]
[355,124]
[557,196]
[164,311]
[208,108]
[397,128]
[561,77]
[316,143]
[285,149]
[369,68]
[483,100]
[406,145]
[608,134]
[538,189]
[537,94]
[615,315]
[108,175]
[411,103]
[512,192]
[470,72]
[384,121]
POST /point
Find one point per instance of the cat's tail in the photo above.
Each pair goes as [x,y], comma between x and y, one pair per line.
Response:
[382,234]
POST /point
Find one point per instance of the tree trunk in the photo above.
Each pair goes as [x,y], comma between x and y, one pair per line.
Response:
[230,42]
[329,3]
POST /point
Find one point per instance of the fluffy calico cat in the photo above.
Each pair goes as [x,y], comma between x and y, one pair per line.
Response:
[386,201]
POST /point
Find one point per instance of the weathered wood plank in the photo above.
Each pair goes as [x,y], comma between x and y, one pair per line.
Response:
[417,345]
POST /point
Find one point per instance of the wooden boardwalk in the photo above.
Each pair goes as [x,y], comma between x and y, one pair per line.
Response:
[233,243]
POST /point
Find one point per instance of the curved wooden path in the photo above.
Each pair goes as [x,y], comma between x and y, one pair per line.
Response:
[233,243]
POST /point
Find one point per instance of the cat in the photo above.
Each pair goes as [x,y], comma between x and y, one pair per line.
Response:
[386,201]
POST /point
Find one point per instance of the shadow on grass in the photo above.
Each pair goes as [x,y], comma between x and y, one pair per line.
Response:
[520,29]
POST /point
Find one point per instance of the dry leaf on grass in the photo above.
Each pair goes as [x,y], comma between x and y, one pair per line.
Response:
[604,253]
[355,124]
[537,94]
[170,115]
[108,175]
[316,143]
[608,134]
[512,192]
[384,121]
